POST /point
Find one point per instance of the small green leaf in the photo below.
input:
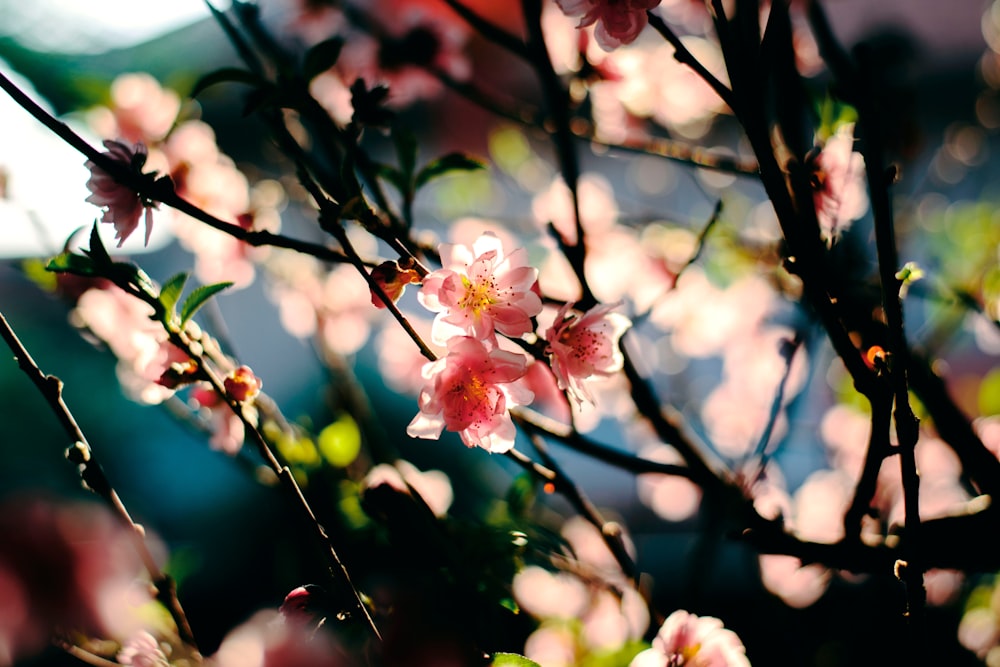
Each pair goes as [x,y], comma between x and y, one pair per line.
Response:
[198,297]
[226,74]
[321,57]
[394,177]
[989,394]
[447,163]
[97,252]
[170,293]
[512,660]
[68,262]
[340,442]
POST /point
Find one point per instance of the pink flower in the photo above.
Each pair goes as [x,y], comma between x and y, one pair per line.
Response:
[687,639]
[123,206]
[469,391]
[479,290]
[618,21]
[838,182]
[583,347]
[242,384]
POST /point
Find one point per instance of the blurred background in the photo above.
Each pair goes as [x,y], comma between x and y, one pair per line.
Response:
[223,531]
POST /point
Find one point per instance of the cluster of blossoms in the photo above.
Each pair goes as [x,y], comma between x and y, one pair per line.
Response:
[480,292]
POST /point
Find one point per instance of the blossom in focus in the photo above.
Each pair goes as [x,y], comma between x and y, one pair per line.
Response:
[469,391]
[123,206]
[242,385]
[617,22]
[479,290]
[838,182]
[585,346]
[687,639]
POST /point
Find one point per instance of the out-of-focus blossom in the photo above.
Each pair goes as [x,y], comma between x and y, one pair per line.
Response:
[545,594]
[582,346]
[480,290]
[142,650]
[393,279]
[671,497]
[122,322]
[227,428]
[470,391]
[797,585]
[265,640]
[433,486]
[592,552]
[123,206]
[687,639]
[617,21]
[63,568]
[416,38]
[242,385]
[142,109]
[838,182]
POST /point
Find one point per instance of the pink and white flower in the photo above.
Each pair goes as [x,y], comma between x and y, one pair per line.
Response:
[479,290]
[585,346]
[123,206]
[469,391]
[687,639]
[838,182]
[617,22]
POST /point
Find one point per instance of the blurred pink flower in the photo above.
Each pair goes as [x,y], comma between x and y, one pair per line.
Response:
[585,346]
[838,182]
[63,568]
[479,290]
[227,428]
[265,640]
[123,206]
[469,391]
[142,650]
[685,638]
[618,21]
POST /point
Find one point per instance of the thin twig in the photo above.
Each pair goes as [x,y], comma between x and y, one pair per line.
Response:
[81,453]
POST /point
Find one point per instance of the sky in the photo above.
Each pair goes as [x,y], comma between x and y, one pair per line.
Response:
[96,25]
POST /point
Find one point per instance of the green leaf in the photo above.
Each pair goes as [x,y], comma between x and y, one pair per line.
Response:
[512,660]
[67,262]
[394,177]
[170,293]
[340,442]
[321,57]
[97,252]
[989,394]
[447,163]
[198,297]
[226,74]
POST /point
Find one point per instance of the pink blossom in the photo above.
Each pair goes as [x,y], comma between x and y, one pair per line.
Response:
[142,650]
[242,384]
[227,428]
[585,346]
[618,21]
[480,290]
[687,639]
[469,391]
[123,205]
[838,182]
[393,277]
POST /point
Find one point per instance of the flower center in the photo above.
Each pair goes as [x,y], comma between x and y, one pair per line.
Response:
[478,296]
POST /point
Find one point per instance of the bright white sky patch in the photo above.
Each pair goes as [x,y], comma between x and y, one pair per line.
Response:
[96,25]
[46,188]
